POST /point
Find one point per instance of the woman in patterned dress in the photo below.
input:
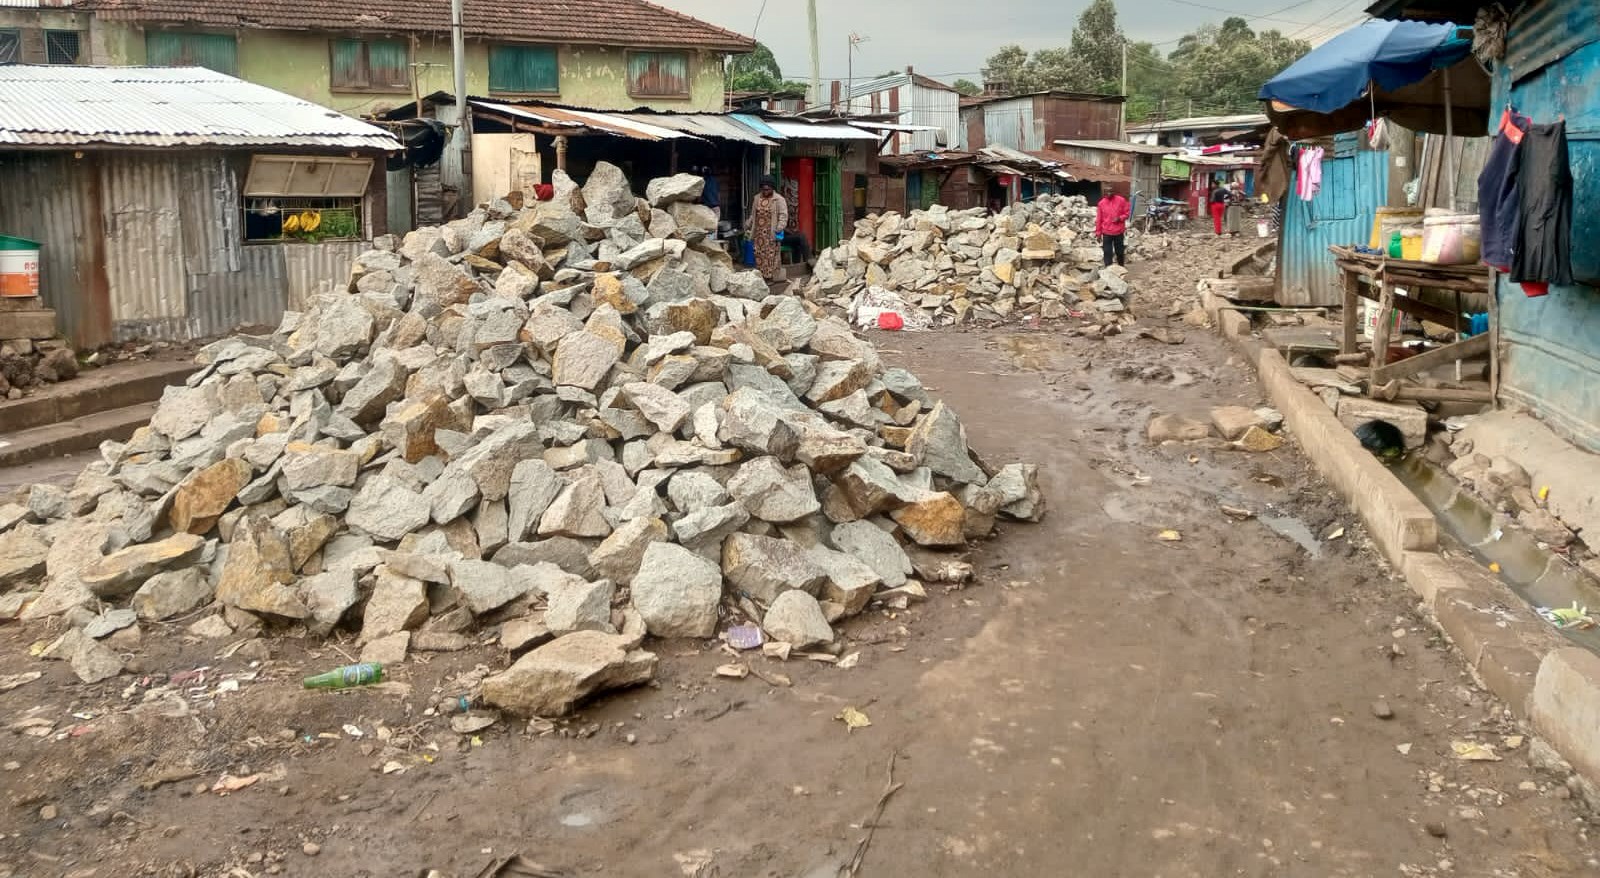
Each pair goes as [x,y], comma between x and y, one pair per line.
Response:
[769,215]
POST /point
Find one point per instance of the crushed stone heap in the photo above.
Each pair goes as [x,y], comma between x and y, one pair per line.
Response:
[575,425]
[1038,259]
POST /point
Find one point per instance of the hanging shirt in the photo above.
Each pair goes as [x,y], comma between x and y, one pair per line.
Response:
[1309,181]
[1543,250]
[1497,192]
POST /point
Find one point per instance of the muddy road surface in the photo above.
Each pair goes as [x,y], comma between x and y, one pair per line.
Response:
[1103,702]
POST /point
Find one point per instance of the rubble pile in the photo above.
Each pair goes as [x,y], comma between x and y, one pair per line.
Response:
[1037,260]
[574,425]
[26,364]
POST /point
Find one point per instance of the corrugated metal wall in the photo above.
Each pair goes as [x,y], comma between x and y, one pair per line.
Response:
[936,107]
[1354,184]
[53,198]
[1011,124]
[1551,345]
[148,245]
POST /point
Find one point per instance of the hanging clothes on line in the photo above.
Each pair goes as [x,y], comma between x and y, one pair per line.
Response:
[1309,180]
[1497,191]
[1543,251]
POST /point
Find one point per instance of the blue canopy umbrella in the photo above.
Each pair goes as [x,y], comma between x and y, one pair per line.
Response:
[1399,69]
[1388,55]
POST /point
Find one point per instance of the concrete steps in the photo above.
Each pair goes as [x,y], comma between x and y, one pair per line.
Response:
[78,415]
[74,436]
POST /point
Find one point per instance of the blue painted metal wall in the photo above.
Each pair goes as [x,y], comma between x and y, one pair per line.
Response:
[1355,183]
[1551,345]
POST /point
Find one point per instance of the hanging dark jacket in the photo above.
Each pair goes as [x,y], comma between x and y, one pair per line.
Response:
[1544,184]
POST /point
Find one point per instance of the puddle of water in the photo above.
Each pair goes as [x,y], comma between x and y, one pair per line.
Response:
[1293,529]
[1537,575]
[1032,353]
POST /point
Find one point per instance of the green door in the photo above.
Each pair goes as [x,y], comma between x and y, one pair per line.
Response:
[829,204]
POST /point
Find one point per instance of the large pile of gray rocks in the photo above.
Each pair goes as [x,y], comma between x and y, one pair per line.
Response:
[1033,260]
[575,425]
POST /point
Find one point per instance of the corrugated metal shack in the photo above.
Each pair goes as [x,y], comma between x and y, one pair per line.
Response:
[179,203]
[1036,121]
[1549,345]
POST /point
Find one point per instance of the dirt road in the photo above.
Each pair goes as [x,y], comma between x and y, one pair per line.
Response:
[1102,703]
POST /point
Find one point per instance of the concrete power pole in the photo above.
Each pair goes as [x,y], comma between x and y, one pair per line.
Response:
[1124,127]
[816,53]
[458,49]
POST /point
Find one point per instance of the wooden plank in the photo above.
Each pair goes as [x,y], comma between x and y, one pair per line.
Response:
[1351,314]
[1461,350]
[1380,333]
[1494,338]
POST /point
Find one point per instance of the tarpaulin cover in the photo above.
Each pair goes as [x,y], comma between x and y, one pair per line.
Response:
[1391,54]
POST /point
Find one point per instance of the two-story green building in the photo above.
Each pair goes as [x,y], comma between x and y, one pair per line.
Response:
[366,57]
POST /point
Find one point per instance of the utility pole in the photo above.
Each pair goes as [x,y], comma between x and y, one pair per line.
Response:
[458,49]
[1124,127]
[816,54]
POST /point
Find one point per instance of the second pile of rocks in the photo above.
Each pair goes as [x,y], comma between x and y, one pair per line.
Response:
[1037,259]
[575,425]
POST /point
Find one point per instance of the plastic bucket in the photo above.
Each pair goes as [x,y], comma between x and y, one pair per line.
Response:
[1452,240]
[1389,220]
[19,268]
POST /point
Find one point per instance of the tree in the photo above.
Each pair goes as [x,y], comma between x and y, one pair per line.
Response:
[759,72]
[1009,68]
[967,87]
[1097,50]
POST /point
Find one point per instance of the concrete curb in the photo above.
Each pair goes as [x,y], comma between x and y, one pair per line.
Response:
[1516,654]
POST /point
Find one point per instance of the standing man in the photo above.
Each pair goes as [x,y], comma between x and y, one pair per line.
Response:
[1219,206]
[1111,225]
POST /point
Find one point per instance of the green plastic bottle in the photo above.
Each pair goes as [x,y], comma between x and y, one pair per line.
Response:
[347,677]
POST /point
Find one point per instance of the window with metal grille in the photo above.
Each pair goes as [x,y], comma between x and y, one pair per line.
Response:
[370,65]
[301,220]
[61,47]
[10,46]
[658,74]
[219,52]
[524,70]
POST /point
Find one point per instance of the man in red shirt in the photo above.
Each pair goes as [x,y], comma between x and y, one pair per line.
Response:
[1111,225]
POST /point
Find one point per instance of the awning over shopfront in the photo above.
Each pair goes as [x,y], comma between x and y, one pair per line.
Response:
[1417,73]
[789,130]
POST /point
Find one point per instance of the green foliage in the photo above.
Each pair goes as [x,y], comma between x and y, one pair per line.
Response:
[967,87]
[759,72]
[1216,70]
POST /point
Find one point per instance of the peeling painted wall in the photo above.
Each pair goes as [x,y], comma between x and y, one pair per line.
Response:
[298,64]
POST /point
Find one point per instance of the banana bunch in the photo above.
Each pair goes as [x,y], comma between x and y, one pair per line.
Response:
[305,222]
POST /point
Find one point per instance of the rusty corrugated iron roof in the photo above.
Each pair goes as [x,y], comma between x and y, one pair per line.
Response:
[58,105]
[593,22]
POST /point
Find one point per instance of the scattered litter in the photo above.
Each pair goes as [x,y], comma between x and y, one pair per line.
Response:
[1573,618]
[393,767]
[231,784]
[746,637]
[346,677]
[1405,749]
[869,306]
[1512,742]
[13,681]
[853,719]
[736,672]
[849,661]
[476,721]
[518,866]
[353,731]
[779,651]
[1170,536]
[1238,514]
[1471,751]
[1335,534]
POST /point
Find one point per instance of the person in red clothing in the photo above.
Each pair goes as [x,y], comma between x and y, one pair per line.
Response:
[1219,206]
[1111,225]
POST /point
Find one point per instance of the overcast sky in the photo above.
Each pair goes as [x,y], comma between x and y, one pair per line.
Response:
[950,39]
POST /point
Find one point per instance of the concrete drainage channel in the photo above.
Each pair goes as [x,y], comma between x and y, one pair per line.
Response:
[1546,679]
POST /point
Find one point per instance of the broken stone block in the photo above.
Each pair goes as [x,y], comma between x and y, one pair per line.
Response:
[398,603]
[575,605]
[204,496]
[258,576]
[763,567]
[677,592]
[551,680]
[618,557]
[126,570]
[486,586]
[935,519]
[940,442]
[172,593]
[1233,420]
[577,510]
[328,596]
[387,510]
[1175,428]
[772,493]
[797,619]
[876,547]
[851,582]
